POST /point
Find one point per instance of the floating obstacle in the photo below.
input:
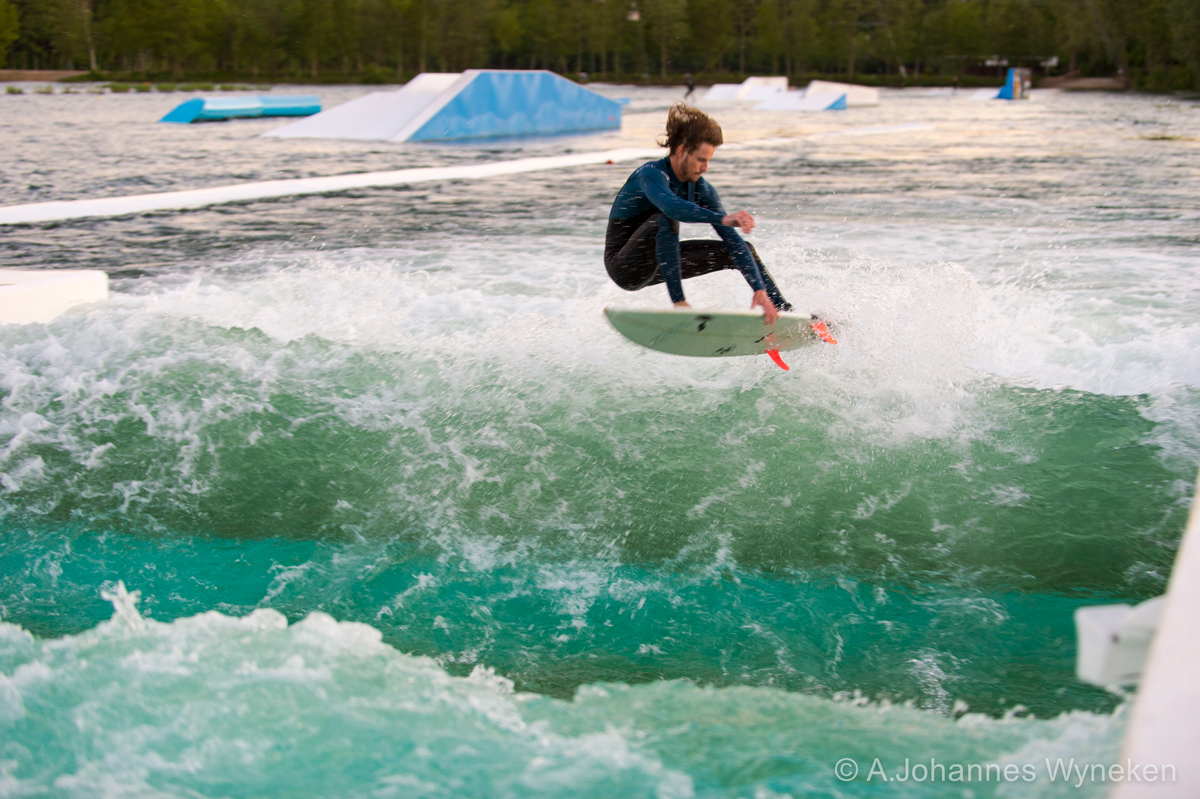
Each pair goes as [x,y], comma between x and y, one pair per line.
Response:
[751,89]
[856,96]
[215,109]
[804,101]
[1112,641]
[1016,87]
[476,104]
[821,95]
[772,94]
[37,296]
[1164,725]
[292,187]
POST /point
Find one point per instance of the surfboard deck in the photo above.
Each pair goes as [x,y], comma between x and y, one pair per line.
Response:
[709,334]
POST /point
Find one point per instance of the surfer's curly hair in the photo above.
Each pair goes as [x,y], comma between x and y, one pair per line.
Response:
[689,127]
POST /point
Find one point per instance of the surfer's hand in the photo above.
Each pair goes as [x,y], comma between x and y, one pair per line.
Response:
[682,304]
[739,219]
[761,300]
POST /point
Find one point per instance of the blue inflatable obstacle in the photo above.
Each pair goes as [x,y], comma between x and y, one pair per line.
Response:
[212,109]
[476,104]
[1017,85]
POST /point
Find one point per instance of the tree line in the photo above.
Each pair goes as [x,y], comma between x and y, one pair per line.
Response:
[1155,43]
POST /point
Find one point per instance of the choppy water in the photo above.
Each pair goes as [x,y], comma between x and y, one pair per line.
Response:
[407,518]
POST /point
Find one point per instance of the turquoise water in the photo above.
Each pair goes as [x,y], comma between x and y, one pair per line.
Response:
[401,515]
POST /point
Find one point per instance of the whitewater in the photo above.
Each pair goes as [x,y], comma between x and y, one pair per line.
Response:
[357,494]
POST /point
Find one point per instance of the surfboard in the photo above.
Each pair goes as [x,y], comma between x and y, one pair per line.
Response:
[708,334]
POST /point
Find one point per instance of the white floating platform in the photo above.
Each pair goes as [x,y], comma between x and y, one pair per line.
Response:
[1112,641]
[804,101]
[985,94]
[856,96]
[38,296]
[750,90]
[1165,727]
[268,189]
[59,210]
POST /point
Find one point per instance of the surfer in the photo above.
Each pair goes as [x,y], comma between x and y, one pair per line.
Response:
[642,246]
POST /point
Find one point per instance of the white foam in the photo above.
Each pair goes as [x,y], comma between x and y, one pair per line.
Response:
[172,708]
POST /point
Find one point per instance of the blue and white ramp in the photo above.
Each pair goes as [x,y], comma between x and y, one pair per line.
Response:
[804,101]
[1016,87]
[477,104]
[822,95]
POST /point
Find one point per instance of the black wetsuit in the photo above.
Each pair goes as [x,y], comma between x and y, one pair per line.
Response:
[642,246]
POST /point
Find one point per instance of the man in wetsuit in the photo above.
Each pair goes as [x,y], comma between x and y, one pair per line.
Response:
[642,246]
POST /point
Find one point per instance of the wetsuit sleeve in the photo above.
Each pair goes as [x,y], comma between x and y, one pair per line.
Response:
[656,188]
[707,196]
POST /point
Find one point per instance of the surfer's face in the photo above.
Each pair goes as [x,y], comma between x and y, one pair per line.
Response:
[691,165]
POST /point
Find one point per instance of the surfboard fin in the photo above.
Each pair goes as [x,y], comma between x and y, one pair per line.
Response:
[822,332]
[778,360]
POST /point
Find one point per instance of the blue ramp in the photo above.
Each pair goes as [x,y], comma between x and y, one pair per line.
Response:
[1017,85]
[487,103]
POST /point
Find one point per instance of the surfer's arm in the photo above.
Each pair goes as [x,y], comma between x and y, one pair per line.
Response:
[658,191]
[707,196]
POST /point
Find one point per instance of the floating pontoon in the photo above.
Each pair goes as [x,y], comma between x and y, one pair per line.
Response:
[38,296]
[214,109]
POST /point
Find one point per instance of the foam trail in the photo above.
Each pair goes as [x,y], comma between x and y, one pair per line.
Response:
[198,198]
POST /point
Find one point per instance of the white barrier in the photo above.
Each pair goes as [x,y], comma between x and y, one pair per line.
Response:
[248,192]
[38,296]
[269,189]
[1165,728]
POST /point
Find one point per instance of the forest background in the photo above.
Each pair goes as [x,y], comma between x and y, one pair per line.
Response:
[1154,44]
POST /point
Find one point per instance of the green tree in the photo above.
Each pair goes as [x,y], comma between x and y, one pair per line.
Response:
[543,28]
[956,35]
[711,23]
[770,32]
[9,28]
[1185,41]
[667,23]
[71,25]
[507,32]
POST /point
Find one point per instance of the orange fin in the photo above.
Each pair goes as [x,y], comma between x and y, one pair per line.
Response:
[778,361]
[822,332]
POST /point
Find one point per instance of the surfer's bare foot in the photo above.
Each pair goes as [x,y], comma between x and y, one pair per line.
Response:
[761,300]
[683,304]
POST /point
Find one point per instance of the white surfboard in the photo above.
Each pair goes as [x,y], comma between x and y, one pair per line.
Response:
[707,334]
